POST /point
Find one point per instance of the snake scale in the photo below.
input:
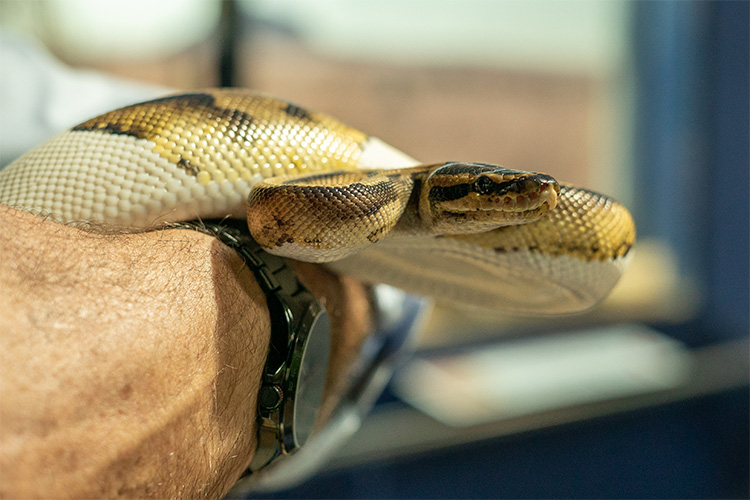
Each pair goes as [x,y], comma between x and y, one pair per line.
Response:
[315,189]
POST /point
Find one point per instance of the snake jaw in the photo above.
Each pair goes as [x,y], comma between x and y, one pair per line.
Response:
[527,194]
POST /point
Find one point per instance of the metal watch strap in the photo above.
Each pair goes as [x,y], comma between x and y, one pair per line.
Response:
[287,300]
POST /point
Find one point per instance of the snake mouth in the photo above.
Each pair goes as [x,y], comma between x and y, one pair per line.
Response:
[533,196]
[493,195]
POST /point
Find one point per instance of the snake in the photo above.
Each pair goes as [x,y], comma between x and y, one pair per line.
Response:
[315,189]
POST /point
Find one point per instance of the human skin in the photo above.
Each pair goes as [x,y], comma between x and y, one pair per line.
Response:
[131,363]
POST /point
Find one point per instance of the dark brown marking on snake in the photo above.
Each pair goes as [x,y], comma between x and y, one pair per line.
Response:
[515,248]
[376,235]
[155,118]
[280,222]
[284,238]
[129,121]
[396,176]
[189,100]
[187,166]
[449,193]
[110,128]
[486,186]
[193,125]
[458,216]
[623,249]
[378,195]
[297,112]
[381,195]
[411,216]
[453,169]
[312,242]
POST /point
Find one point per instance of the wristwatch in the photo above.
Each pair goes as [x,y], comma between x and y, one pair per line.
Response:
[295,372]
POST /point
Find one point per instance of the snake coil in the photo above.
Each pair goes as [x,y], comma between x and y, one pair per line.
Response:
[315,189]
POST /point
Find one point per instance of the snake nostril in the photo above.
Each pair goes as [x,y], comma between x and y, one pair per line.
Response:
[539,182]
[547,180]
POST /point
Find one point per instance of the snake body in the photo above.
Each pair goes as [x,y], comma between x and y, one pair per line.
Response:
[315,189]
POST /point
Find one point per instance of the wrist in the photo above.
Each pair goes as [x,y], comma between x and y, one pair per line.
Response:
[300,340]
[151,343]
[131,363]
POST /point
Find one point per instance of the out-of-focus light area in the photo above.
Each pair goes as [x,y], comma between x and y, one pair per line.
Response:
[526,35]
[527,377]
[91,30]
[644,396]
[513,33]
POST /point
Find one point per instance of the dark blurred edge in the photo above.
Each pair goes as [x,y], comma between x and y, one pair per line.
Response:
[229,39]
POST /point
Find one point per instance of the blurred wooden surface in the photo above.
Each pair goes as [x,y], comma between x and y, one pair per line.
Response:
[527,121]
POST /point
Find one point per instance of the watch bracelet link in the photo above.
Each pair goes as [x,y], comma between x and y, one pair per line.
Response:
[284,294]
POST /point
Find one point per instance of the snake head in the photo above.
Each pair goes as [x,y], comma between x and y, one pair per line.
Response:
[469,197]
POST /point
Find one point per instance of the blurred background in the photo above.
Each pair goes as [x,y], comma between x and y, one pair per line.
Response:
[647,395]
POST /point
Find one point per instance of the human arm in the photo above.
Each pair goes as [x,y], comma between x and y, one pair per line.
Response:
[131,362]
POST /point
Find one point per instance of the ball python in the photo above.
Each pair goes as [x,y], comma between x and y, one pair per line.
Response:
[315,189]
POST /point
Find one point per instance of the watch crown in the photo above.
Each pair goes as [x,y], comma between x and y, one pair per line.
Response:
[270,397]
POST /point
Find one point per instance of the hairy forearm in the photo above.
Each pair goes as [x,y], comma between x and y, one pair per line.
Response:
[130,362]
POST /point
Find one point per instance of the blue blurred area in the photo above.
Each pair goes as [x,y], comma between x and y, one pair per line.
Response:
[683,450]
[728,306]
[691,148]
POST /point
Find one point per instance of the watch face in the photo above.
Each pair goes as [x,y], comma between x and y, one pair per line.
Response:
[312,378]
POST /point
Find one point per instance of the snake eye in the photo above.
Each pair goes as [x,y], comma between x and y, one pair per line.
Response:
[484,185]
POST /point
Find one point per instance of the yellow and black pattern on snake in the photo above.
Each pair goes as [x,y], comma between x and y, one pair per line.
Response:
[464,233]
[362,209]
[178,156]
[564,262]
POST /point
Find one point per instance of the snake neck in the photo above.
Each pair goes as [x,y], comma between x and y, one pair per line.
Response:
[411,222]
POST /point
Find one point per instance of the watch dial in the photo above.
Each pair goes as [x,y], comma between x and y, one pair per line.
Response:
[312,378]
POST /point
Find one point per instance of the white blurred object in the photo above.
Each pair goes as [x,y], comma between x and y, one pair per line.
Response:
[40,97]
[534,375]
[587,36]
[96,30]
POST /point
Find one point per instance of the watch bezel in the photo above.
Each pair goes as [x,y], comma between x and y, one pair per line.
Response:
[300,341]
[277,423]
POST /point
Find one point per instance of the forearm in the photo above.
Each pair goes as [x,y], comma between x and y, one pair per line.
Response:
[130,363]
